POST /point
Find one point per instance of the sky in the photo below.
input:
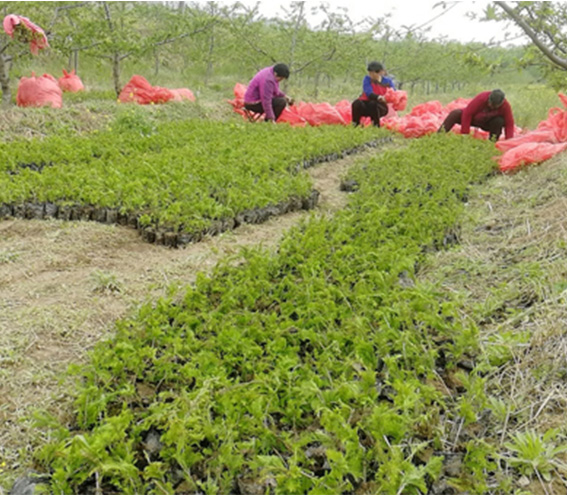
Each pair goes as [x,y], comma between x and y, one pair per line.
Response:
[451,22]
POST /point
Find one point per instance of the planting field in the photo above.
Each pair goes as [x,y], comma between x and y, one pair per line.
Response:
[350,312]
[176,181]
[347,360]
[318,369]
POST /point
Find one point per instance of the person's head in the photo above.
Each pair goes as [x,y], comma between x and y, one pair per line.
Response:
[375,70]
[281,71]
[496,98]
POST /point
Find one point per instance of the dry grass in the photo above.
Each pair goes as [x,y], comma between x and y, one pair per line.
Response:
[511,271]
[96,115]
[64,284]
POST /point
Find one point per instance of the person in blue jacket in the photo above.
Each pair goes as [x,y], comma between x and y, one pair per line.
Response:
[371,103]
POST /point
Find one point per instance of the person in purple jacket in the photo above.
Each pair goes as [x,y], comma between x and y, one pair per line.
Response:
[263,94]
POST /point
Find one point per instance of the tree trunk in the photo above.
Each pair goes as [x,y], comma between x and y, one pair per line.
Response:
[74,61]
[209,71]
[116,73]
[5,80]
[156,62]
[300,17]
[316,91]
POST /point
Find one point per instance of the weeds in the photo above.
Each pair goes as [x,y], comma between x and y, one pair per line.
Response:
[536,454]
[8,256]
[105,282]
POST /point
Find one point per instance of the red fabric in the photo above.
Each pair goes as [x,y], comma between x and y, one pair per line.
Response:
[39,91]
[291,116]
[528,153]
[71,82]
[140,91]
[22,29]
[398,99]
[548,139]
[314,114]
[317,114]
[182,94]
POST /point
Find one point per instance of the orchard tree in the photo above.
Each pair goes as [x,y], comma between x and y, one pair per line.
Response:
[115,31]
[544,23]
[333,47]
[12,50]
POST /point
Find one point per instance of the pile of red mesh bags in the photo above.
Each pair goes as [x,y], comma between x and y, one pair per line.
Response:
[139,90]
[316,114]
[547,140]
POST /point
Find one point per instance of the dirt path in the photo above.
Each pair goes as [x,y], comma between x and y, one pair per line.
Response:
[64,284]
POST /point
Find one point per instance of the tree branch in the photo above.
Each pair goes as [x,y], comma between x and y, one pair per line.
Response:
[65,8]
[531,33]
[327,57]
[107,15]
[181,36]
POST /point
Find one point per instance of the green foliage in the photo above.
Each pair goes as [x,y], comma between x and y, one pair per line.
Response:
[206,46]
[535,454]
[105,282]
[541,23]
[181,176]
[308,370]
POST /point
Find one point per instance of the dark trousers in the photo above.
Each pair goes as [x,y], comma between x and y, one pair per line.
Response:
[278,105]
[368,108]
[493,126]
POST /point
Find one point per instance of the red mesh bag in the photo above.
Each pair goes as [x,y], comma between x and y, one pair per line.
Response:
[71,82]
[238,102]
[139,90]
[317,114]
[182,94]
[528,153]
[39,91]
[542,136]
[291,116]
[21,29]
[397,99]
[344,107]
